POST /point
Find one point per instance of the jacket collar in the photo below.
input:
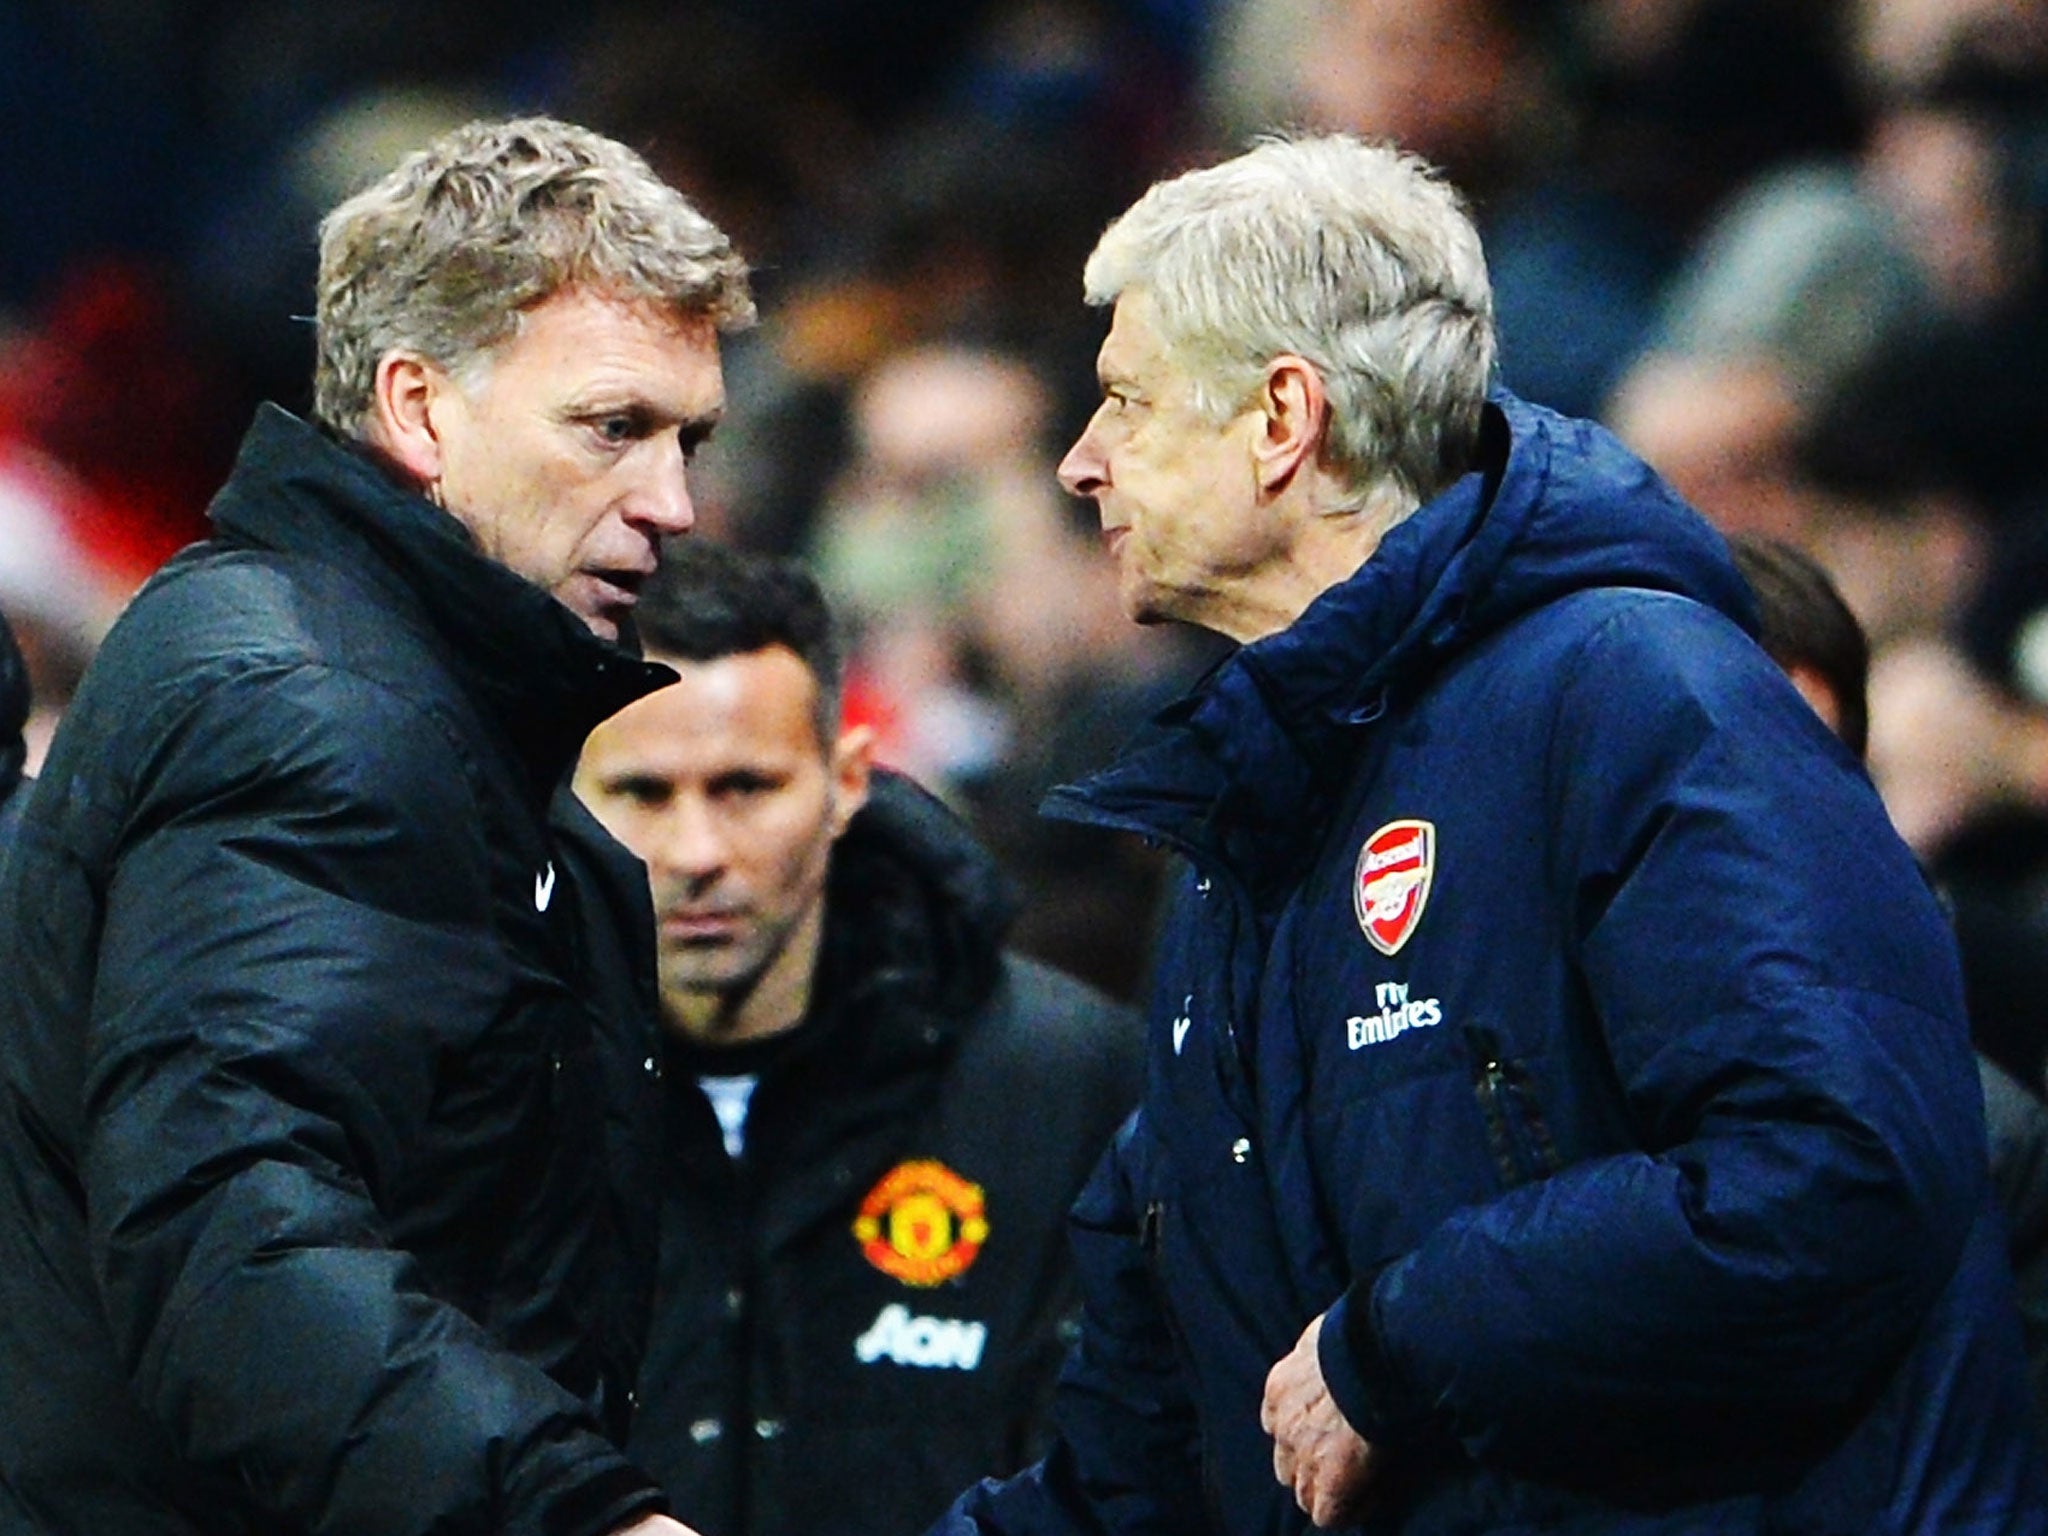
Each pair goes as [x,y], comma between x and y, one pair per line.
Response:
[1243,764]
[533,665]
[917,912]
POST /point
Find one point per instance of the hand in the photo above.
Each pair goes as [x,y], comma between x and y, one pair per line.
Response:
[655,1525]
[1315,1451]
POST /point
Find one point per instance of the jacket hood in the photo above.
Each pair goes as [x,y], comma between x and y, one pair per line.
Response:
[538,666]
[915,904]
[1555,506]
[14,702]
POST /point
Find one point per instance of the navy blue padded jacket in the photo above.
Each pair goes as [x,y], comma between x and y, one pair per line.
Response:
[1549,1000]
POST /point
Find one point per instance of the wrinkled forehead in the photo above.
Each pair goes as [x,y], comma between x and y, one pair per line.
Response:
[1136,348]
[1144,355]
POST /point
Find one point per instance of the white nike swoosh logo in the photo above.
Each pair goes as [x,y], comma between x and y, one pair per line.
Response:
[544,889]
[1181,1026]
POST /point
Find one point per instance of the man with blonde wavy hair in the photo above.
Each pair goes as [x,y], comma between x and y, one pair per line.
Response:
[1560,1112]
[330,1088]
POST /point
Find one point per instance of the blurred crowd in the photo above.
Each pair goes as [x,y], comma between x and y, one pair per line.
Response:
[1792,250]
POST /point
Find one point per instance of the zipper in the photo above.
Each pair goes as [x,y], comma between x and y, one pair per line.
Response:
[1523,1149]
[1151,1227]
[1151,1235]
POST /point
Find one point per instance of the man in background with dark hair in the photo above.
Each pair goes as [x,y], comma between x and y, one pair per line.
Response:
[1808,630]
[879,1117]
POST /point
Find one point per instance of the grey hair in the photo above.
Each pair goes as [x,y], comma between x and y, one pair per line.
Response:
[1354,256]
[442,255]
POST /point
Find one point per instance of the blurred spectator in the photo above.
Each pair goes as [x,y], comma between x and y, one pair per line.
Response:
[106,386]
[1725,432]
[991,655]
[1453,80]
[1959,748]
[1591,136]
[1077,679]
[947,460]
[1735,435]
[1898,288]
[1915,46]
[1836,270]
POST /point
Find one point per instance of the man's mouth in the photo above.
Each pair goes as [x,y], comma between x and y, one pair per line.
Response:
[701,926]
[618,588]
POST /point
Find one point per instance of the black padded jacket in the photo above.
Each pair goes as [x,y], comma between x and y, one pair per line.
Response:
[330,1055]
[14,706]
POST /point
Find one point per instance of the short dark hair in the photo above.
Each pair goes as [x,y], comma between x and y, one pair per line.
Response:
[710,601]
[1805,623]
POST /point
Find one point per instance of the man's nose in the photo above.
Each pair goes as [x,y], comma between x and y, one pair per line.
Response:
[664,503]
[1082,472]
[690,844]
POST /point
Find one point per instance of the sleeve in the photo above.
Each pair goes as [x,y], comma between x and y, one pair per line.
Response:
[1778,999]
[292,940]
[2017,1122]
[1125,1460]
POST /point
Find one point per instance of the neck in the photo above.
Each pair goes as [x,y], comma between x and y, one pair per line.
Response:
[772,1003]
[1329,547]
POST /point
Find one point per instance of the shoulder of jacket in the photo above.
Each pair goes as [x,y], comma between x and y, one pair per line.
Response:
[1042,1022]
[233,616]
[196,727]
[279,606]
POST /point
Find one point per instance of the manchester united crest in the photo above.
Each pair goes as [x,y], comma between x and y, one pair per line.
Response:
[923,1224]
[1391,885]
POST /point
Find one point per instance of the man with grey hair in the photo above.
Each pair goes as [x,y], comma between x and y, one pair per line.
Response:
[328,1101]
[1560,1112]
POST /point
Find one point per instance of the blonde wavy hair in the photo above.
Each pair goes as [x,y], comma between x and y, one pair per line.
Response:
[441,256]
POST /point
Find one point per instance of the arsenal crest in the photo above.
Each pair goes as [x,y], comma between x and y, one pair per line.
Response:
[922,1224]
[1391,885]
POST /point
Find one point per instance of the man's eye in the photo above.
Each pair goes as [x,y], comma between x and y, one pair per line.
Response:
[617,429]
[645,793]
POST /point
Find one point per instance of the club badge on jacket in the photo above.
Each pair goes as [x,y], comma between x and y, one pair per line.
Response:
[923,1223]
[1390,887]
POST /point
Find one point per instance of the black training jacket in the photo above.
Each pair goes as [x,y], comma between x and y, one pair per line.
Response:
[328,1047]
[867,1311]
[14,706]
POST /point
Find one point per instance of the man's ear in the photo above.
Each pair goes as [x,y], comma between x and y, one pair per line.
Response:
[853,763]
[1294,417]
[403,398]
